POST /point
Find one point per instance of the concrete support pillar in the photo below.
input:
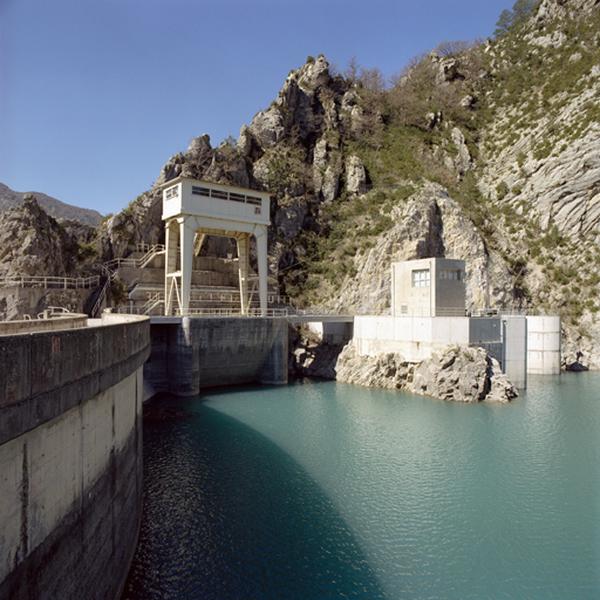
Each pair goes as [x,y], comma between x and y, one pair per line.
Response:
[243,248]
[171,242]
[186,235]
[261,252]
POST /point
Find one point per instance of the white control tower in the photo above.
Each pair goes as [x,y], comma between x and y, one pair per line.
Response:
[193,209]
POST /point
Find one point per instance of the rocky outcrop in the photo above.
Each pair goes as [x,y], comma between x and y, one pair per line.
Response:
[552,10]
[312,357]
[462,375]
[33,243]
[562,188]
[459,374]
[356,175]
[429,223]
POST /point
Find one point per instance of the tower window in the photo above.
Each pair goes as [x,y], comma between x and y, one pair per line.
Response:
[421,278]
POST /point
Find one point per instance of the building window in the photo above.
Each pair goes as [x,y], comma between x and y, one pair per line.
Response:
[451,274]
[200,191]
[420,278]
[172,192]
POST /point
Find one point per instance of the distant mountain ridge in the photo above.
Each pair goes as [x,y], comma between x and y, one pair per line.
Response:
[54,207]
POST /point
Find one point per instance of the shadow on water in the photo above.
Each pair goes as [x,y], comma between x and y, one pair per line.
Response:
[229,515]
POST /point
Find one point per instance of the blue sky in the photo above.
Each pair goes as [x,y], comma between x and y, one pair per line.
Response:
[95,95]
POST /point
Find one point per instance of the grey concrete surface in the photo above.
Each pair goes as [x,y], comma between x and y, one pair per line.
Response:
[198,352]
[71,459]
[70,321]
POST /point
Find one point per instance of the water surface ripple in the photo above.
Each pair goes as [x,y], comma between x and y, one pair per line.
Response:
[324,490]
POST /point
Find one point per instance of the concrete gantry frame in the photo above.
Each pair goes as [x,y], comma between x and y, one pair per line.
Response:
[193,209]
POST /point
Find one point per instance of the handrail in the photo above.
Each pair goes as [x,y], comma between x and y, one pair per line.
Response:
[138,263]
[231,312]
[49,281]
[228,297]
[101,297]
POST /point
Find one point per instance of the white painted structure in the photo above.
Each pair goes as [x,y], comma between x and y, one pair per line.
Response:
[428,314]
[193,209]
[543,345]
[429,287]
[415,338]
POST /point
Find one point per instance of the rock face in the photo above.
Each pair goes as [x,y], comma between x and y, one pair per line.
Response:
[428,223]
[33,243]
[551,10]
[313,358]
[463,375]
[458,374]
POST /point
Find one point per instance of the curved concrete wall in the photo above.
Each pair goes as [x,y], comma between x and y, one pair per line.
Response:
[70,459]
[543,345]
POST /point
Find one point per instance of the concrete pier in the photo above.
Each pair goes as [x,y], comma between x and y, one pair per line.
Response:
[190,353]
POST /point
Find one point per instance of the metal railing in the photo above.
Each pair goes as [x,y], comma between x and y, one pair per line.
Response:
[221,297]
[425,311]
[95,310]
[231,312]
[50,282]
[137,263]
[508,312]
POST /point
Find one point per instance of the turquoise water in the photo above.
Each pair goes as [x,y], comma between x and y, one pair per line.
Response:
[325,490]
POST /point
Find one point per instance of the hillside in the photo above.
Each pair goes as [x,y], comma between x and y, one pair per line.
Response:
[487,152]
[55,208]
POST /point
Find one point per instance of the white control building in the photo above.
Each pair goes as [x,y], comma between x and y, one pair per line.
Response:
[193,209]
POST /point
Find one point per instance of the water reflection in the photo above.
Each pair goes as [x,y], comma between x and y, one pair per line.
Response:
[228,514]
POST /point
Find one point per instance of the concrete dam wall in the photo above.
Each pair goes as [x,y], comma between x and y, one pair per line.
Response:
[192,353]
[70,458]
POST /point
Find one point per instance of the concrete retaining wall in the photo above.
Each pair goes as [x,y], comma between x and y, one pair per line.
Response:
[415,338]
[197,352]
[70,459]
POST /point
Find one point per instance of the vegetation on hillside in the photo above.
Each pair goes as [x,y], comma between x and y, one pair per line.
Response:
[494,92]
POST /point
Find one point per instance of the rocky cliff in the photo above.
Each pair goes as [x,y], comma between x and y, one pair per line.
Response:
[34,243]
[487,152]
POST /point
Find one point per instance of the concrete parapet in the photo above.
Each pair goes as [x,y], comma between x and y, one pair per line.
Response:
[70,321]
[191,353]
[70,459]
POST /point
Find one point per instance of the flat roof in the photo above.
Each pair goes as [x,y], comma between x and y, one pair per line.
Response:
[204,182]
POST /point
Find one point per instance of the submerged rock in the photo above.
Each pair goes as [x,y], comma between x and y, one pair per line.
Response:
[460,374]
